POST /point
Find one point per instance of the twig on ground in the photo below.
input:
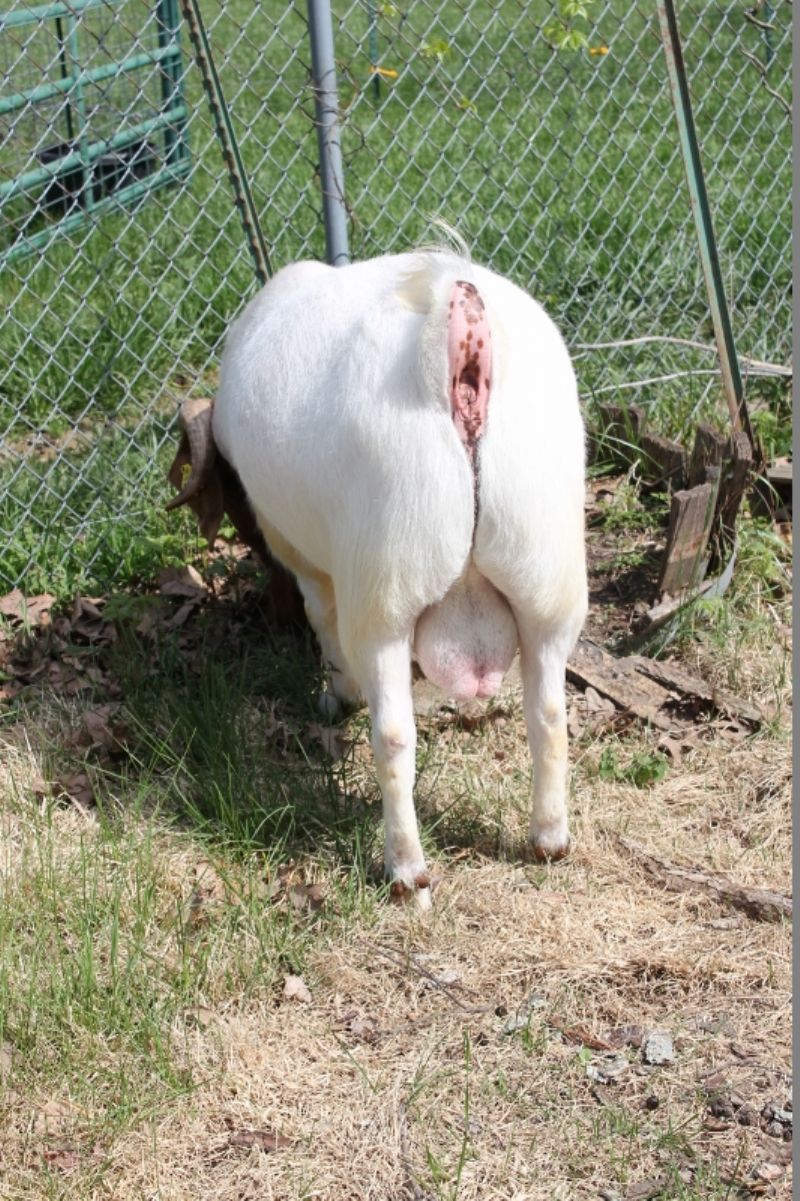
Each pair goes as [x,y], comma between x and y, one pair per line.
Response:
[406,959]
[760,903]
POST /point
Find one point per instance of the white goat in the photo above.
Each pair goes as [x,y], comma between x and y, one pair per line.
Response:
[411,537]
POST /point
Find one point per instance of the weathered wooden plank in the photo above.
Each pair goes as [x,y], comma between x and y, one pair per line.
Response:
[650,689]
[663,461]
[772,491]
[674,677]
[691,519]
[708,451]
[590,665]
[735,477]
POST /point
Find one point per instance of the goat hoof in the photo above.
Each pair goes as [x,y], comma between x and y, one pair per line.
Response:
[419,891]
[547,852]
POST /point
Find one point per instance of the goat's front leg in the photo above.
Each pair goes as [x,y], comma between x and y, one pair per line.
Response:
[543,662]
[384,673]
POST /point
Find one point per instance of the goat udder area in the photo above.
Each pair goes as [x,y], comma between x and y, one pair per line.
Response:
[465,644]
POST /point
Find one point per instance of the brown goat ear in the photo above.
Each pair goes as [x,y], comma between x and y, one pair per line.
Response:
[207,503]
[209,506]
[181,464]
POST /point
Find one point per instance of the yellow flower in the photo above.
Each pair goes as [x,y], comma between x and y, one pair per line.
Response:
[598,49]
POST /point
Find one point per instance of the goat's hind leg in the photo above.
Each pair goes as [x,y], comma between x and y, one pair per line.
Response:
[543,654]
[383,670]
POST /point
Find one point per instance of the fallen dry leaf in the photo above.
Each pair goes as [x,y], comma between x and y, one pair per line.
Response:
[264,1140]
[626,1036]
[77,788]
[96,725]
[53,1116]
[63,1159]
[575,722]
[199,1015]
[296,989]
[34,610]
[181,581]
[332,741]
[579,1034]
[608,1069]
[182,614]
[595,703]
[304,897]
[365,1029]
[87,609]
[769,1171]
[13,604]
[645,1189]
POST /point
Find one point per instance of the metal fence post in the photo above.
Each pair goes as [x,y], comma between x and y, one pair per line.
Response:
[701,210]
[326,103]
[227,139]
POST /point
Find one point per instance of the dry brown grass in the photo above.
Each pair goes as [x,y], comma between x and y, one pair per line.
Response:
[400,1078]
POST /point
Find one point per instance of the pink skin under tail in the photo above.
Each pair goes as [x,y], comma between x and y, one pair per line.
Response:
[469,352]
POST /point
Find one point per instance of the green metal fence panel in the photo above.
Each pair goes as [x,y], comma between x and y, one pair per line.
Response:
[83,168]
[549,142]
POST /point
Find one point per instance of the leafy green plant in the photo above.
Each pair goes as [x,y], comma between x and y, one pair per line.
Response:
[562,33]
[435,49]
[644,769]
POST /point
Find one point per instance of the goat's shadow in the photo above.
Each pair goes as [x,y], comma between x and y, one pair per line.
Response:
[214,719]
[230,730]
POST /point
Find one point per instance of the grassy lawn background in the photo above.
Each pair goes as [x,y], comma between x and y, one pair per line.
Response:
[560,168]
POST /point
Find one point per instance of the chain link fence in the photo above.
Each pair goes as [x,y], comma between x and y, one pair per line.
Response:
[123,258]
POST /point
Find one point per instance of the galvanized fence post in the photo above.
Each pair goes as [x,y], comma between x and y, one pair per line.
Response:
[227,139]
[326,103]
[701,211]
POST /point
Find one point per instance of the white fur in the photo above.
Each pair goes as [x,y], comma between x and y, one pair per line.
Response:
[333,407]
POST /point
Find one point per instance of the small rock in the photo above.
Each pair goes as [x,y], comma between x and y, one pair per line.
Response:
[608,1069]
[769,1171]
[747,1116]
[658,1047]
[652,1101]
[296,989]
[522,1015]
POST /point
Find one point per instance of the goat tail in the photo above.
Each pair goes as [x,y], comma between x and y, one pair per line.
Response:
[456,347]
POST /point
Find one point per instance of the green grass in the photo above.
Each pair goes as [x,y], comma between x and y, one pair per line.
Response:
[560,169]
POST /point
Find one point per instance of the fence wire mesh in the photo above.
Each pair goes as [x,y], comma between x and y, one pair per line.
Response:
[123,258]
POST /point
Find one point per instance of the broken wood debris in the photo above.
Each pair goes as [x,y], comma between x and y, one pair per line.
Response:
[660,693]
[707,487]
[760,903]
